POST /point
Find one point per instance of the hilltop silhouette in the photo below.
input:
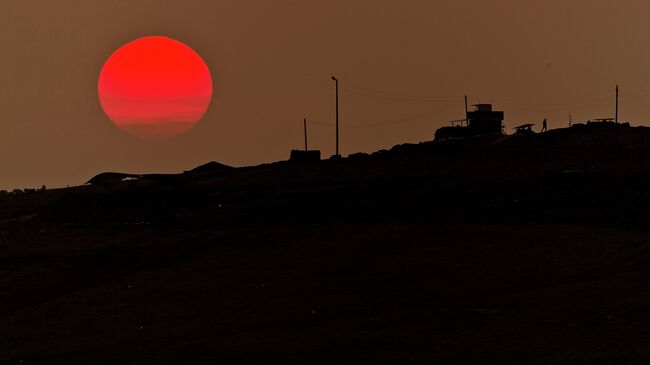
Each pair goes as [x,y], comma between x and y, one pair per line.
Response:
[527,248]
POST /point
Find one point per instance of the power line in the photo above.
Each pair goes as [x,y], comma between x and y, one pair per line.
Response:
[393,94]
[390,95]
[412,119]
[398,96]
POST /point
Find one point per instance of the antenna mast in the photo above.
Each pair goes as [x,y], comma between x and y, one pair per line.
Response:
[466,113]
[616,116]
[304,122]
[337,115]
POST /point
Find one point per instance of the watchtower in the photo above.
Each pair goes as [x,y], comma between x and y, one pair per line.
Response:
[484,120]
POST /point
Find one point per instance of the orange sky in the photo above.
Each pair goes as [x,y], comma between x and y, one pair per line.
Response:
[404,68]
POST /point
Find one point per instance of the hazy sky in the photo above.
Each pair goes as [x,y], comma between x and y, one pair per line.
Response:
[404,67]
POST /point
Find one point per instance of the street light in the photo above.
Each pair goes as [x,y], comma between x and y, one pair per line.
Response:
[337,114]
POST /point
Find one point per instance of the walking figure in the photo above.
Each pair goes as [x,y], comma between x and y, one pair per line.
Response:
[544,127]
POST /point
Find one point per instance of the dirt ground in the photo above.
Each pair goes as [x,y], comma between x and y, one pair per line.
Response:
[532,249]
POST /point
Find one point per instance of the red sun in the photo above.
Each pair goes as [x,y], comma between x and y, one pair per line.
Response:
[155,87]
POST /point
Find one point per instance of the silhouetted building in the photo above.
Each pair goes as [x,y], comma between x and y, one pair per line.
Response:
[606,123]
[524,129]
[483,120]
[304,156]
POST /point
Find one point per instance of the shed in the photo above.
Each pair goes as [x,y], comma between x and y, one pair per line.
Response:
[304,156]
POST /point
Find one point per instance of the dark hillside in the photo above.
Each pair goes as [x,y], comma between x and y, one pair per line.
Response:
[508,249]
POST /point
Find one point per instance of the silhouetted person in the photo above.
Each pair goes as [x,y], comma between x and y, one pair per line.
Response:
[544,127]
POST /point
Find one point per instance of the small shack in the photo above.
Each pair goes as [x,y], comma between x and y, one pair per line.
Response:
[524,129]
[607,123]
[304,156]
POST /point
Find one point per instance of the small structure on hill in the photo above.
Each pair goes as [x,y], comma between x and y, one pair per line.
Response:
[524,129]
[483,120]
[606,123]
[108,179]
[211,166]
[304,156]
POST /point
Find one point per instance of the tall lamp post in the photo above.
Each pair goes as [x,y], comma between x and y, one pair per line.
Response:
[337,114]
[616,117]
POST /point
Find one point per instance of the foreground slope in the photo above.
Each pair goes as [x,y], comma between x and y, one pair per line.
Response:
[518,249]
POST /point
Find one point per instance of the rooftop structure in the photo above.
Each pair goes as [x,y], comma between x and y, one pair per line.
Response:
[524,129]
[483,120]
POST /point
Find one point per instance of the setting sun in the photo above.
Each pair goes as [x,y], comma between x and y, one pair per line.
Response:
[155,87]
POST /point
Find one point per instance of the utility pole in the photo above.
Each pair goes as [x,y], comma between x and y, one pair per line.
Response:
[466,113]
[304,122]
[337,114]
[616,116]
